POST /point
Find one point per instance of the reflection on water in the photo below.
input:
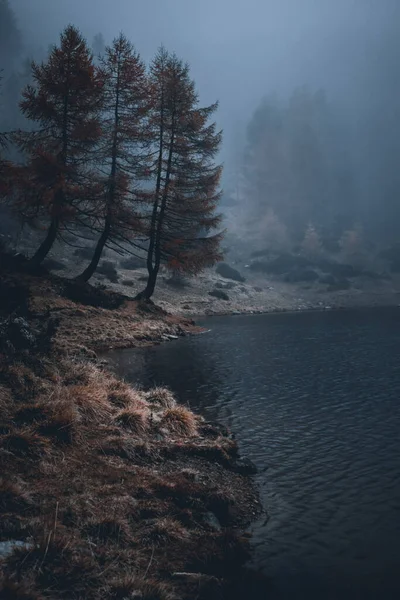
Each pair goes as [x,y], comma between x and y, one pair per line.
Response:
[314,400]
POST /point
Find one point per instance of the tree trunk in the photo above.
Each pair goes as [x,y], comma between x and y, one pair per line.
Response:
[147,293]
[92,266]
[47,243]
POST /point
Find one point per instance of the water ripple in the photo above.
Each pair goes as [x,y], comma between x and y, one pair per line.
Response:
[314,402]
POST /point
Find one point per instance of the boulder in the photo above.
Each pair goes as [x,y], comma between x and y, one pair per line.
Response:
[229,272]
[219,294]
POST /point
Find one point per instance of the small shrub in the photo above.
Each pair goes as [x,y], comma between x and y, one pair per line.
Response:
[229,272]
[179,421]
[221,295]
[131,263]
[107,268]
[86,252]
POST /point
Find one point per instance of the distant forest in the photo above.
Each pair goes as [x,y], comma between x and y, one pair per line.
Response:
[93,140]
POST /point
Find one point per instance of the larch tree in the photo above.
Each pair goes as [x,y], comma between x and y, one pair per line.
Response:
[64,103]
[183,217]
[123,149]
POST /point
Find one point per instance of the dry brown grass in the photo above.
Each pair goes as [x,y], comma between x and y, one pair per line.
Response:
[13,497]
[136,587]
[161,396]
[25,443]
[109,529]
[89,480]
[91,401]
[62,422]
[137,421]
[122,395]
[56,565]
[164,531]
[12,590]
[179,421]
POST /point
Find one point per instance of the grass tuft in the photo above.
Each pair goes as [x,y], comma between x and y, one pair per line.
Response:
[122,395]
[61,423]
[164,531]
[179,421]
[91,401]
[134,587]
[134,420]
[162,396]
[25,443]
[13,498]
[116,529]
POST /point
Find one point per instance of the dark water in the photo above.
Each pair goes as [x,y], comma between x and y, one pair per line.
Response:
[314,400]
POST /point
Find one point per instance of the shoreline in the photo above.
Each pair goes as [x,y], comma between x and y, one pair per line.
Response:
[125,486]
[316,309]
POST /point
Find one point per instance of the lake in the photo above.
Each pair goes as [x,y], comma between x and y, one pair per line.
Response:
[314,402]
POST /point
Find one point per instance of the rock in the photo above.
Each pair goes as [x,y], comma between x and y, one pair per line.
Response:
[245,466]
[219,294]
[8,547]
[229,272]
[128,282]
[211,520]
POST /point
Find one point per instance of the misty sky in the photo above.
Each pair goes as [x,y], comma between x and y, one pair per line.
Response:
[240,50]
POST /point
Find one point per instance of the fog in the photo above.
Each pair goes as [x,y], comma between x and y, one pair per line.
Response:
[241,51]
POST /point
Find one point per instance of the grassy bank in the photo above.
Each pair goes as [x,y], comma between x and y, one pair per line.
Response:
[111,491]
